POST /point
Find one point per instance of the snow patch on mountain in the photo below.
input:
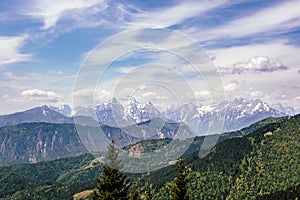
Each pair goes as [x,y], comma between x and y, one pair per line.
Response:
[237,113]
[65,110]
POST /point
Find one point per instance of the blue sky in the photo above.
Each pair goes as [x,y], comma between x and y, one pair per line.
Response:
[254,46]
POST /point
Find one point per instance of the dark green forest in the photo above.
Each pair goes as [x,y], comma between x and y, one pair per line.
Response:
[258,162]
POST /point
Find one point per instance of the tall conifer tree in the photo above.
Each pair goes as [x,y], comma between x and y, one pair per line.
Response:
[179,186]
[134,193]
[113,185]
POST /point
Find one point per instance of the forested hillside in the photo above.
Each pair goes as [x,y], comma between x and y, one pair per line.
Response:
[260,164]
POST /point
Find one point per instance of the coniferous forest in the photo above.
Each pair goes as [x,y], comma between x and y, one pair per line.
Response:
[262,164]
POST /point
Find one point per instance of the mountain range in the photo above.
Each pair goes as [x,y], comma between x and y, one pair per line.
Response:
[236,114]
[40,141]
[38,114]
[259,162]
[46,133]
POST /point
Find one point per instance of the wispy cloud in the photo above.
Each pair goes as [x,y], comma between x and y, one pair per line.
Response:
[279,49]
[236,30]
[173,15]
[280,18]
[56,72]
[10,49]
[51,11]
[85,95]
[125,70]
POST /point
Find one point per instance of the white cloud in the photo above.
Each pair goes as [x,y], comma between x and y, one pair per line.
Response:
[41,95]
[297,99]
[13,85]
[51,11]
[10,50]
[55,72]
[255,64]
[257,94]
[149,94]
[166,17]
[102,94]
[153,95]
[231,87]
[203,94]
[274,50]
[125,70]
[261,63]
[282,17]
[86,95]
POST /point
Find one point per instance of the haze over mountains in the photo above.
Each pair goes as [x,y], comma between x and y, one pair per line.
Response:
[264,153]
[40,141]
[42,135]
[45,133]
[237,114]
[38,114]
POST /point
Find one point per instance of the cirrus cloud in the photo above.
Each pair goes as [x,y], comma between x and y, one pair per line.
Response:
[10,50]
[169,16]
[262,21]
[51,11]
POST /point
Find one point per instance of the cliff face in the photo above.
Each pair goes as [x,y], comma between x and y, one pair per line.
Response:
[37,142]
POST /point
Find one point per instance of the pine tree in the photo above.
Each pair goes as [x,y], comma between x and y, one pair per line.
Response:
[179,186]
[134,194]
[149,192]
[113,185]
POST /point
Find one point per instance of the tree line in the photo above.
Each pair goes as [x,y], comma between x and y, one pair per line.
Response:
[114,185]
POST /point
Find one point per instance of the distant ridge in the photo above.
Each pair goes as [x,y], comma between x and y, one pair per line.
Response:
[38,114]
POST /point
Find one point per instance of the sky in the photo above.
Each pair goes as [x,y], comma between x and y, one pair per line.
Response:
[58,52]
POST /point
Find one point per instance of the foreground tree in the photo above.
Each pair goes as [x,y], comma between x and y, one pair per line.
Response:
[113,184]
[134,193]
[179,186]
[147,192]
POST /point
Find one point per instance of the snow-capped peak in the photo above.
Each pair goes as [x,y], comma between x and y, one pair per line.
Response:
[238,113]
[65,110]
